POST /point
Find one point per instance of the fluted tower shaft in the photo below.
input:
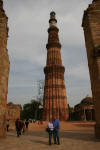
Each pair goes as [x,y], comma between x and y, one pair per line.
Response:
[55,100]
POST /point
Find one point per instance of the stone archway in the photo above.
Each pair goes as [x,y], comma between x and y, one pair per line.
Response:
[91,26]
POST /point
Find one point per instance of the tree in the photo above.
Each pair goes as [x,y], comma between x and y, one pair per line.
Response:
[31,110]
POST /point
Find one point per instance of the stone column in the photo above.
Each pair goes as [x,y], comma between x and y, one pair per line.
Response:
[4,69]
[55,103]
[91,26]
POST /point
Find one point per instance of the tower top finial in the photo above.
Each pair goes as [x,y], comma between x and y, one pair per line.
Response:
[52,15]
[52,20]
[52,12]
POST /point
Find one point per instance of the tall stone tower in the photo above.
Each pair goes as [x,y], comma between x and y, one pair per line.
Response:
[91,26]
[55,101]
[4,68]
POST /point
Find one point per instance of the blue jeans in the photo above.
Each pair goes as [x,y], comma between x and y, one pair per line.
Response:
[18,132]
[50,136]
[56,137]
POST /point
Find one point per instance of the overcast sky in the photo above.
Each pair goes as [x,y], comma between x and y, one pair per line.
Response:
[28,24]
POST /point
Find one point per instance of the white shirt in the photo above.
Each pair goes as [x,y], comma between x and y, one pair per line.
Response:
[50,125]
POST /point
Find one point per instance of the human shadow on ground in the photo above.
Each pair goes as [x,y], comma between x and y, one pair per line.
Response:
[79,135]
[11,133]
[43,134]
[41,142]
[85,125]
[85,135]
[75,135]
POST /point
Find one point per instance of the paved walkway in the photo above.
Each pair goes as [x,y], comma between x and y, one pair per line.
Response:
[38,140]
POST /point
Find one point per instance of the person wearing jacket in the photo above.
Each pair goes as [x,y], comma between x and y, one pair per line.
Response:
[56,125]
[18,127]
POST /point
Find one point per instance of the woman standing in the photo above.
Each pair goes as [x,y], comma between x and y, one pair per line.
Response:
[51,128]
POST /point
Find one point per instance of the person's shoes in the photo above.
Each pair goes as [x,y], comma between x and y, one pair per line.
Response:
[49,144]
[58,143]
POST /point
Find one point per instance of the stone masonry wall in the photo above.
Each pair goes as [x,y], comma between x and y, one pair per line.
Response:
[13,112]
[4,69]
[91,26]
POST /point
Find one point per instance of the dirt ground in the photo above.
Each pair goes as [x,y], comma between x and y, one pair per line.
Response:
[73,136]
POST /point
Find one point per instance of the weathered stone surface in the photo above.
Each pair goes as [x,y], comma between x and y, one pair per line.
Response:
[13,112]
[91,26]
[4,68]
[55,100]
[85,110]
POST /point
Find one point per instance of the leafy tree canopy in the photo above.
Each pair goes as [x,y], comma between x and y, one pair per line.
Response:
[31,110]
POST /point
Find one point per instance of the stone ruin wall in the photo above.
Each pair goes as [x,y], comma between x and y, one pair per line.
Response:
[91,26]
[4,69]
[13,112]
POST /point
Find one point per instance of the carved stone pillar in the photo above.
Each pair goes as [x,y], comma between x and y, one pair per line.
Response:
[55,100]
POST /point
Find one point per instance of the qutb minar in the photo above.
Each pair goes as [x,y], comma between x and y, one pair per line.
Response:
[55,99]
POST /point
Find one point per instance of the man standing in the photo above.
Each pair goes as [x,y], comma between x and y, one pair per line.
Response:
[56,125]
[18,127]
[26,123]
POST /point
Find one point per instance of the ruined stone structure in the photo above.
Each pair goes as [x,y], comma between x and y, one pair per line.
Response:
[55,101]
[91,26]
[4,68]
[85,111]
[13,112]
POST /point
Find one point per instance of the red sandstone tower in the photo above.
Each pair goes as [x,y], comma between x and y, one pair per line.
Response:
[55,100]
